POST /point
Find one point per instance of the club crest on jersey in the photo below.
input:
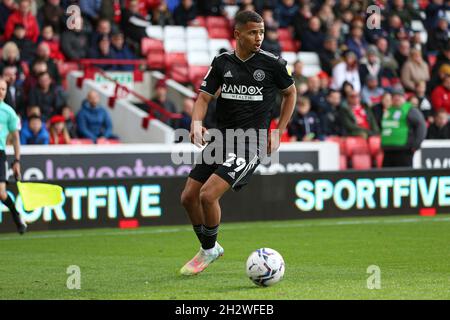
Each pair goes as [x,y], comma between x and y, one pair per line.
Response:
[259,75]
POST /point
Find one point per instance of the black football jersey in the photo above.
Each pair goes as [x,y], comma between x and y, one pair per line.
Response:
[248,88]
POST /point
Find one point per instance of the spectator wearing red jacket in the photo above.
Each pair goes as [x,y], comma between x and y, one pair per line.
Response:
[25,17]
[440,97]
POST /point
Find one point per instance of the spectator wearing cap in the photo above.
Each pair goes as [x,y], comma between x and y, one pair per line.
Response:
[93,121]
[312,37]
[440,128]
[371,92]
[440,97]
[185,12]
[26,47]
[414,70]
[34,132]
[75,42]
[329,54]
[357,118]
[347,70]
[270,42]
[23,16]
[403,128]
[58,131]
[161,99]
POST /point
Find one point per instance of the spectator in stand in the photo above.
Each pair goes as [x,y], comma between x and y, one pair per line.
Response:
[70,122]
[424,104]
[185,13]
[102,30]
[305,124]
[371,64]
[26,47]
[300,20]
[30,110]
[48,37]
[402,54]
[121,51]
[75,42]
[7,7]
[23,16]
[93,121]
[91,10]
[111,10]
[301,82]
[378,109]
[371,92]
[440,97]
[329,54]
[210,7]
[58,131]
[440,128]
[388,63]
[357,118]
[161,16]
[37,68]
[414,70]
[188,108]
[403,129]
[47,96]
[34,132]
[404,11]
[269,17]
[133,23]
[11,57]
[270,42]
[51,13]
[434,10]
[437,73]
[330,117]
[15,96]
[162,100]
[312,38]
[315,94]
[285,12]
[347,70]
[102,51]
[356,41]
[43,54]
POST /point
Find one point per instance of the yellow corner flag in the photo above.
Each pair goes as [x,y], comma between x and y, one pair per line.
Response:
[37,195]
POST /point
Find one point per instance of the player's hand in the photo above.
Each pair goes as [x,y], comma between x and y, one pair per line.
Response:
[16,171]
[197,135]
[274,141]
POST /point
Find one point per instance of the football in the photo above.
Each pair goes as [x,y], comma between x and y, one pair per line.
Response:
[265,267]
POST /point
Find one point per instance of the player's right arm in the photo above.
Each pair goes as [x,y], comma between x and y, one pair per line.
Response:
[16,162]
[198,114]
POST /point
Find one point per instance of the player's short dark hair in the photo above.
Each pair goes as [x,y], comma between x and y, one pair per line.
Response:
[243,17]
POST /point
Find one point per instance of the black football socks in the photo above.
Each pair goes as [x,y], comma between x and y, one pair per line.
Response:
[15,214]
[209,237]
[198,229]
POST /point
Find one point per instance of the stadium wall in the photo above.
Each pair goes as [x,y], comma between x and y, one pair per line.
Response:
[155,201]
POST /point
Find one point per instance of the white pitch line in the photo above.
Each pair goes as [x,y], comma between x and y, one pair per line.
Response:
[227,227]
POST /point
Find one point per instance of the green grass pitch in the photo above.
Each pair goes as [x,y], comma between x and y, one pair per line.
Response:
[325,259]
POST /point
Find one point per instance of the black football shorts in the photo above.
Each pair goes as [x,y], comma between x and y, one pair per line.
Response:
[2,166]
[236,166]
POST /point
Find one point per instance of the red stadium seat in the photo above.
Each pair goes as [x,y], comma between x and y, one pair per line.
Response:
[361,162]
[175,59]
[284,34]
[108,141]
[217,22]
[356,145]
[219,33]
[151,45]
[197,72]
[374,145]
[288,45]
[199,21]
[343,162]
[81,141]
[179,73]
[379,159]
[155,60]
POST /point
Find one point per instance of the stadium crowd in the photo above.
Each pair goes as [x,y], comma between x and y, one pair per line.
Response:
[366,57]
